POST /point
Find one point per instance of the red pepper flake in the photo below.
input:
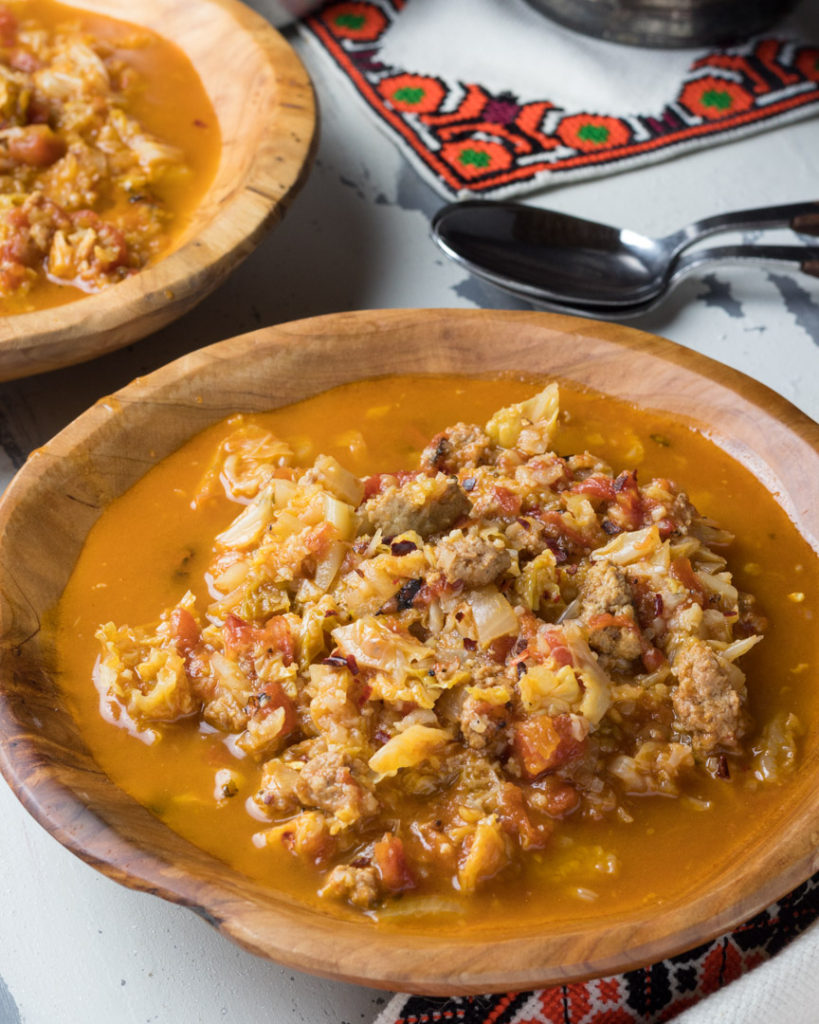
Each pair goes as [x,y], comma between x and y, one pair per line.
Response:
[402,547]
[335,660]
[652,658]
[407,594]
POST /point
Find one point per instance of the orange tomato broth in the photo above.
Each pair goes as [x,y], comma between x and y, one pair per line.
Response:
[188,120]
[149,546]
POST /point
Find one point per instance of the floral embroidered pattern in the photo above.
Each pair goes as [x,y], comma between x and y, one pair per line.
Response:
[648,996]
[472,141]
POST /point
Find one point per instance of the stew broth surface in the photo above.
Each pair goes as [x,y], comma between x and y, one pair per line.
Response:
[150,546]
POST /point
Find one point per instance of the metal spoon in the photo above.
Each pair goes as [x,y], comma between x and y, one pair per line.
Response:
[805,257]
[559,260]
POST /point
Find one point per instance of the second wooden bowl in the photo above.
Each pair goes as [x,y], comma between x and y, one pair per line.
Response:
[264,103]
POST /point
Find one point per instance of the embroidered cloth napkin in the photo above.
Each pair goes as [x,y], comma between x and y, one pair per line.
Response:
[490,98]
[782,990]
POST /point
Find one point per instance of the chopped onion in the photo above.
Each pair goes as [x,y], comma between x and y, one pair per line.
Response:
[247,528]
[493,615]
[328,566]
[739,647]
[633,546]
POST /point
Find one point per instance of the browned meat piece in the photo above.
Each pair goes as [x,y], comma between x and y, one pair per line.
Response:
[471,560]
[751,620]
[307,836]
[358,885]
[528,536]
[424,504]
[606,609]
[605,589]
[463,446]
[483,725]
[327,783]
[227,711]
[708,707]
[544,743]
[583,465]
[682,511]
[617,636]
[278,789]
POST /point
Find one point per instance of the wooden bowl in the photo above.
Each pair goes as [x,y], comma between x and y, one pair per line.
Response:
[52,503]
[264,102]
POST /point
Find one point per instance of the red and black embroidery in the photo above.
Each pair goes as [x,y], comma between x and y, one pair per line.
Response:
[653,995]
[475,141]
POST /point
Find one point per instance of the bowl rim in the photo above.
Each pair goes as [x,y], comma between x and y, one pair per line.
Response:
[278,927]
[102,322]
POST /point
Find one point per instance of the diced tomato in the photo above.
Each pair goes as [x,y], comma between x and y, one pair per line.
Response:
[507,501]
[391,863]
[499,649]
[8,27]
[652,658]
[681,570]
[20,247]
[561,797]
[555,641]
[319,538]
[557,521]
[276,634]
[376,483]
[237,634]
[529,625]
[595,486]
[184,630]
[544,743]
[513,815]
[271,698]
[666,526]
[110,236]
[22,60]
[373,485]
[36,145]
[648,603]
[39,111]
[629,502]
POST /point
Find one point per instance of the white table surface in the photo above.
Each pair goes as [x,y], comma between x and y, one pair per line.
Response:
[75,947]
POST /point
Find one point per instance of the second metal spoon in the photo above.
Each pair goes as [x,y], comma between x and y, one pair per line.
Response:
[557,259]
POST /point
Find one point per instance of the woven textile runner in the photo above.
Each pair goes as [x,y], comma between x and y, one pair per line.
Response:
[650,995]
[469,139]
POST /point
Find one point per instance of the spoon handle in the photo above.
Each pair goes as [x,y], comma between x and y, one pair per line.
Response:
[806,257]
[800,217]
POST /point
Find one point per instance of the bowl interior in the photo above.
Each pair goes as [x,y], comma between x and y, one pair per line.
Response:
[48,510]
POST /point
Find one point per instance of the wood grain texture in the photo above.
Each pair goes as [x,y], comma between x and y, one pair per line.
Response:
[50,506]
[264,101]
